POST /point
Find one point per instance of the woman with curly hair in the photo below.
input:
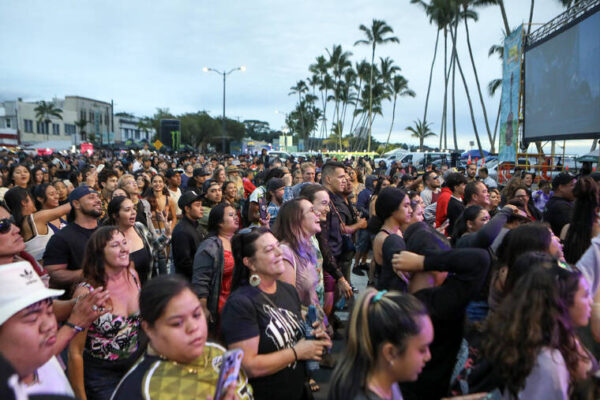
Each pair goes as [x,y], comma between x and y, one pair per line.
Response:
[531,339]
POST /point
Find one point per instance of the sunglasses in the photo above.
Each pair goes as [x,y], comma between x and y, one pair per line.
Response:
[5,224]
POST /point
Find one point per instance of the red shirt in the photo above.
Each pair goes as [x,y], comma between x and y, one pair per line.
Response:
[226,281]
[441,211]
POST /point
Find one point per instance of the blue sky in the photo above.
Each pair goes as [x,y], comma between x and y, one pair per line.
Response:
[149,54]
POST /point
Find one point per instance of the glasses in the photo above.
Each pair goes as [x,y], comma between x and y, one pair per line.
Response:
[5,224]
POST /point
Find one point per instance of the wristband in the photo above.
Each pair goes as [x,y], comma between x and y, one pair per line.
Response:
[76,328]
[295,354]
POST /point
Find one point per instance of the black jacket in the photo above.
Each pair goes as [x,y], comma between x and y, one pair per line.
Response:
[557,212]
[446,305]
[186,238]
[208,274]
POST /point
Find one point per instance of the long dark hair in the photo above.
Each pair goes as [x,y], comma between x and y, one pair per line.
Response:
[242,245]
[112,210]
[93,267]
[388,318]
[39,192]
[460,227]
[534,236]
[579,235]
[388,201]
[14,198]
[157,293]
[216,217]
[11,171]
[535,315]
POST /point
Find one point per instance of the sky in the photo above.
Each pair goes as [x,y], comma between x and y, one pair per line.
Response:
[149,54]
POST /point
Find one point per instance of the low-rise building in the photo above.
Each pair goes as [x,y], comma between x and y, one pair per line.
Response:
[131,128]
[94,116]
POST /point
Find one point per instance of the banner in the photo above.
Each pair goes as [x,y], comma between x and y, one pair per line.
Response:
[511,87]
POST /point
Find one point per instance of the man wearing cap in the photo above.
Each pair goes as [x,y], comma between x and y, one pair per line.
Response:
[64,252]
[198,178]
[557,211]
[173,182]
[188,233]
[29,335]
[275,192]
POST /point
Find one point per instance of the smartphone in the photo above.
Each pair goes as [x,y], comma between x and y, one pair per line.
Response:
[230,369]
[262,208]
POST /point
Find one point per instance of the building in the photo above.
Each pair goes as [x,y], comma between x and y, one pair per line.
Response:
[131,128]
[95,117]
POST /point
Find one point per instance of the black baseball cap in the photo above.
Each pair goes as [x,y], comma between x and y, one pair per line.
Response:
[200,172]
[563,178]
[188,198]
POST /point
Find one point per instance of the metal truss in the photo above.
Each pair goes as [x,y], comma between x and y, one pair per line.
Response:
[571,14]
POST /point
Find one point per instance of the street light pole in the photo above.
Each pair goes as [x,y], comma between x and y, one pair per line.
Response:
[224,74]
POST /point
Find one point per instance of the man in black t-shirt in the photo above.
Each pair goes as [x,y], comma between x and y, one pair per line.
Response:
[64,252]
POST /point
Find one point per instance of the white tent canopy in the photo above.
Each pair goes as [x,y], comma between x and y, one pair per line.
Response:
[56,145]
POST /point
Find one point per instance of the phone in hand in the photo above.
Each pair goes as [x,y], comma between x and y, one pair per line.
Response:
[229,371]
[262,208]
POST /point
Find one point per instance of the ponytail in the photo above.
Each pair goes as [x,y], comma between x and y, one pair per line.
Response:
[377,318]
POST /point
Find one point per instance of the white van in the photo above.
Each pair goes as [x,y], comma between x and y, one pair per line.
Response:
[420,160]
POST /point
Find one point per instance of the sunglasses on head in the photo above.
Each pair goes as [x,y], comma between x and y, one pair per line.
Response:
[5,224]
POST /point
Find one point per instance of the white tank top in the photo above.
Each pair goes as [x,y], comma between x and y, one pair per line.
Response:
[37,244]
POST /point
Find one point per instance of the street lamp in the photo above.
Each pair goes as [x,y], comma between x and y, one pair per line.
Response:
[224,74]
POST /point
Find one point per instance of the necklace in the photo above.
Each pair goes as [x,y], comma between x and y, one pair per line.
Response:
[189,368]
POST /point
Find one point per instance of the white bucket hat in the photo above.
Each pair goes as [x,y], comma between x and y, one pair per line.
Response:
[20,287]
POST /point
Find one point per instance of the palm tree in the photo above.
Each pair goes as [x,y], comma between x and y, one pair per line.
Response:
[466,14]
[81,124]
[462,75]
[421,130]
[362,72]
[435,48]
[398,87]
[375,35]
[44,111]
[300,89]
[339,61]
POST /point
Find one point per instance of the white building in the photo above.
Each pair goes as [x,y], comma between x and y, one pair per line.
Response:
[20,116]
[127,128]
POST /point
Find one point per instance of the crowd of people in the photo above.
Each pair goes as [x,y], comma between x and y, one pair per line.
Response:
[130,276]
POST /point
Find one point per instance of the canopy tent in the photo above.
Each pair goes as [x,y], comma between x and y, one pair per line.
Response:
[592,156]
[54,145]
[474,154]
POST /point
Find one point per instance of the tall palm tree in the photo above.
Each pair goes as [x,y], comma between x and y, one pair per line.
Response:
[435,48]
[467,14]
[300,89]
[462,75]
[363,70]
[421,131]
[339,61]
[376,34]
[44,111]
[398,87]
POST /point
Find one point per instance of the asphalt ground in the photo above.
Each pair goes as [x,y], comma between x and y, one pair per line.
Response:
[323,375]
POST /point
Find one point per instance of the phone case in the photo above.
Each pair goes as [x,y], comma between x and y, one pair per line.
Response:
[230,369]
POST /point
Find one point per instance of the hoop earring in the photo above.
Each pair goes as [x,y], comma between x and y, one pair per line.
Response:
[254,280]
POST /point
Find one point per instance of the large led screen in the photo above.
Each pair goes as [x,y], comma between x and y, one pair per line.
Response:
[562,83]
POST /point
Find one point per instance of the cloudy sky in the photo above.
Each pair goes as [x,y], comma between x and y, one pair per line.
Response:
[149,54]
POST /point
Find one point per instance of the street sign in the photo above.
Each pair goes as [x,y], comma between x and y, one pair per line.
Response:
[158,144]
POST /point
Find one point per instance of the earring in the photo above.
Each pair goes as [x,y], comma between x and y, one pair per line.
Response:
[254,280]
